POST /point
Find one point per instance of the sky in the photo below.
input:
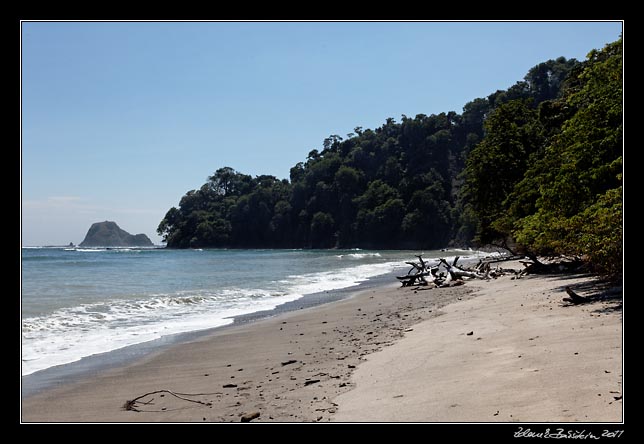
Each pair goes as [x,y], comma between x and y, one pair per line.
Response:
[120,119]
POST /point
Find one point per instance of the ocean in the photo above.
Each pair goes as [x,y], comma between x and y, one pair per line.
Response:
[78,302]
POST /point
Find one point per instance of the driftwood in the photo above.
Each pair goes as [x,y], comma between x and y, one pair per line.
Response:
[410,280]
[444,274]
[424,274]
[423,270]
[533,266]
[574,298]
[458,273]
[132,404]
[485,266]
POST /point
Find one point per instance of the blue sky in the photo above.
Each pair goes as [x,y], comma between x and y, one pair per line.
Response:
[120,119]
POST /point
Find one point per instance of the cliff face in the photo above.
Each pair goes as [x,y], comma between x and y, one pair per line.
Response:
[108,234]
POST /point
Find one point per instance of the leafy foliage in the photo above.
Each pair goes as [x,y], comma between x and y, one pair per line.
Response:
[559,190]
[538,164]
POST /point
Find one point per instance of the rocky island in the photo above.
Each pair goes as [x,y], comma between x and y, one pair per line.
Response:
[109,234]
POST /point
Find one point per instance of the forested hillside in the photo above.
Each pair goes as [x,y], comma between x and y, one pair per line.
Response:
[536,168]
[550,179]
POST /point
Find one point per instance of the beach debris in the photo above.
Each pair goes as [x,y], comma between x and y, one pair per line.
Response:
[574,298]
[470,333]
[311,381]
[290,361]
[423,273]
[248,417]
[227,386]
[429,275]
[134,405]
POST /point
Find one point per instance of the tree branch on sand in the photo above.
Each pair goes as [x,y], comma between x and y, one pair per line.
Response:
[425,274]
[574,298]
[132,404]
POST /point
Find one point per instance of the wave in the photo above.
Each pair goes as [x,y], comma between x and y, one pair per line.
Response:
[82,329]
[358,255]
[69,334]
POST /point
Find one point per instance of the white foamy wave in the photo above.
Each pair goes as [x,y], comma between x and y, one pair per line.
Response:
[358,255]
[69,334]
[337,279]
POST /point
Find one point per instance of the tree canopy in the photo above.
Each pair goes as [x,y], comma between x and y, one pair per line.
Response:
[559,190]
[535,167]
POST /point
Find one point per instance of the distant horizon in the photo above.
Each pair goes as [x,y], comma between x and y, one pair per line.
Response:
[76,244]
[121,119]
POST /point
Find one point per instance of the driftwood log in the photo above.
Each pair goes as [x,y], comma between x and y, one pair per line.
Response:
[443,274]
[574,298]
[457,273]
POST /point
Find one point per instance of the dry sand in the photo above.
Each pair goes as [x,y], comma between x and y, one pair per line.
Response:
[386,354]
[513,353]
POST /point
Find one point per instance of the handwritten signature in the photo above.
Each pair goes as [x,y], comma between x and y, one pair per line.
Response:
[566,434]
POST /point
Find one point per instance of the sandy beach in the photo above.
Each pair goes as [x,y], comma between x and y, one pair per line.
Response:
[500,350]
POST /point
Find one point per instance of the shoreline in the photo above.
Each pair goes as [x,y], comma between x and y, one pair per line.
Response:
[87,366]
[327,342]
[40,380]
[306,365]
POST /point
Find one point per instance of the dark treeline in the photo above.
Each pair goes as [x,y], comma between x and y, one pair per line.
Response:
[527,168]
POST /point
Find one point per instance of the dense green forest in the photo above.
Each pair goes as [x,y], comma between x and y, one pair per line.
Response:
[536,168]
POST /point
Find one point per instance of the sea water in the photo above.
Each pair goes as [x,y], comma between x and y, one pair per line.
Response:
[77,302]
